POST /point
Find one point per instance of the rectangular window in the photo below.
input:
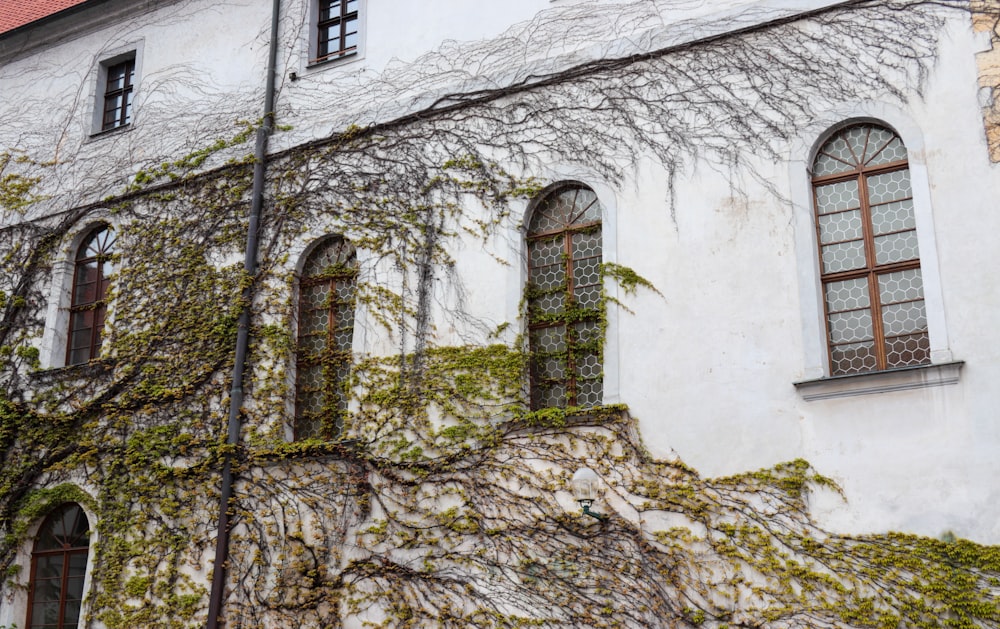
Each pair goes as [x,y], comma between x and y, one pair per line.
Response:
[118,95]
[338,29]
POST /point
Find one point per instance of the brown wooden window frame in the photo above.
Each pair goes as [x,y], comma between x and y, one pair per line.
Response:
[861,173]
[333,357]
[96,249]
[117,101]
[337,22]
[577,316]
[70,574]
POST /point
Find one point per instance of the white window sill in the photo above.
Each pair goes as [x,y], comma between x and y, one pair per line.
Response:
[902,379]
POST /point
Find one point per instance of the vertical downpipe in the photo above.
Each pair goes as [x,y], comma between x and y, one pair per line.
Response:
[243,332]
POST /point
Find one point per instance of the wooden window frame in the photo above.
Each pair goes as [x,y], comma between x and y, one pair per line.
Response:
[872,270]
[122,112]
[330,357]
[66,552]
[338,22]
[99,305]
[566,234]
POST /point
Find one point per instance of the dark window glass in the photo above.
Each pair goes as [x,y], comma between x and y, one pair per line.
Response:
[89,299]
[565,321]
[338,29]
[118,95]
[869,259]
[58,567]
[327,291]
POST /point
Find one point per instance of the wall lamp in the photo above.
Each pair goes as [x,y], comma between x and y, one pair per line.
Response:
[586,489]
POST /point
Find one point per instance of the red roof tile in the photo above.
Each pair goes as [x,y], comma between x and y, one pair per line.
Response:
[15,13]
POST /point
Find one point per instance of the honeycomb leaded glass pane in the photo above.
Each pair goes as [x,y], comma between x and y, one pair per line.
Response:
[887,187]
[550,340]
[837,197]
[844,256]
[587,365]
[326,330]
[904,318]
[585,244]
[588,333]
[901,286]
[859,146]
[893,217]
[544,395]
[875,311]
[589,392]
[564,279]
[904,351]
[334,255]
[851,326]
[551,368]
[896,247]
[847,295]
[893,149]
[549,277]
[552,303]
[587,296]
[840,226]
[857,142]
[546,252]
[834,157]
[313,322]
[853,358]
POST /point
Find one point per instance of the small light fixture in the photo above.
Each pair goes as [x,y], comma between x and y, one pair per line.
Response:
[586,489]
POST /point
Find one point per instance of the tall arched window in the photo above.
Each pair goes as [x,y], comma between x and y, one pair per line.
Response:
[58,567]
[327,291]
[89,302]
[565,307]
[869,259]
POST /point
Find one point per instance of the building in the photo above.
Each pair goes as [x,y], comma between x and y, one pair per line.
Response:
[688,245]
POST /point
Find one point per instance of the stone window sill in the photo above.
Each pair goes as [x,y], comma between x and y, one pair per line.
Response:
[902,379]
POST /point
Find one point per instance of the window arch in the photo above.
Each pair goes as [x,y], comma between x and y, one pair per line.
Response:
[89,306]
[58,569]
[869,258]
[327,292]
[566,316]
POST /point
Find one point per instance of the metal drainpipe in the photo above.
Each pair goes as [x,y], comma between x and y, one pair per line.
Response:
[243,331]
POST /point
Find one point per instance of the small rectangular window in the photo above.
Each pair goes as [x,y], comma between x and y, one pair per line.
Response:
[338,29]
[118,88]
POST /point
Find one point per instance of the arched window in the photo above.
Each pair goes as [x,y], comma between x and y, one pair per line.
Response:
[565,307]
[869,259]
[89,302]
[327,291]
[58,567]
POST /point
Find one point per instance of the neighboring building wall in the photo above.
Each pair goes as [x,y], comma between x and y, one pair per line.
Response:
[985,24]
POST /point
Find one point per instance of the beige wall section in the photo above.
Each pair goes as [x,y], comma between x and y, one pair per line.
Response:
[986,20]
